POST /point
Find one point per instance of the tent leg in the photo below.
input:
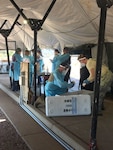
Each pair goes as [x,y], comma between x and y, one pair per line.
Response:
[93,143]
[6,41]
[35,68]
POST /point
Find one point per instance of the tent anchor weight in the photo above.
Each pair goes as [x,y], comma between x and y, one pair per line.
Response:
[103,4]
[5,33]
[35,25]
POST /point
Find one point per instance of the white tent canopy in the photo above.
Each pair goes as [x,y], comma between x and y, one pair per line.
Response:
[70,23]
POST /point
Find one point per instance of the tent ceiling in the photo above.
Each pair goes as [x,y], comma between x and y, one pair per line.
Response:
[70,23]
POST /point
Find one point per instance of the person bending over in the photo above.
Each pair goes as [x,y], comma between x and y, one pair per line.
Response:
[106,78]
[56,84]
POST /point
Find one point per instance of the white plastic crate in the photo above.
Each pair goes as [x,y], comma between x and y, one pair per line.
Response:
[69,105]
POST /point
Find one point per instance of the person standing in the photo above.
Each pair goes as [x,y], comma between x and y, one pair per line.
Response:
[15,69]
[65,58]
[56,57]
[40,62]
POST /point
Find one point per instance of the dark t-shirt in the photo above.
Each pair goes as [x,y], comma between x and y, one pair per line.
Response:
[84,74]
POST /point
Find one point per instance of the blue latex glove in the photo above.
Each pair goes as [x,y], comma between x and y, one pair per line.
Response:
[85,82]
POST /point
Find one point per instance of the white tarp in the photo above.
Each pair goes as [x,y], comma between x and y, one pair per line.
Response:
[70,23]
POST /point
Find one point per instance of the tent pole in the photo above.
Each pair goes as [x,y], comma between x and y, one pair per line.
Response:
[93,144]
[35,67]
[3,24]
[6,41]
[5,33]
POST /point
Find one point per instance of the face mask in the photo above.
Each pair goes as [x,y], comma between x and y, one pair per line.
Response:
[64,72]
[82,65]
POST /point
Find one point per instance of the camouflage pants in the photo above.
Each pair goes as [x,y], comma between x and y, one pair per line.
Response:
[106,82]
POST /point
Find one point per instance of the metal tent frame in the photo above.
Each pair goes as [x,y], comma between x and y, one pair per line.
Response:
[35,25]
[103,4]
[5,33]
